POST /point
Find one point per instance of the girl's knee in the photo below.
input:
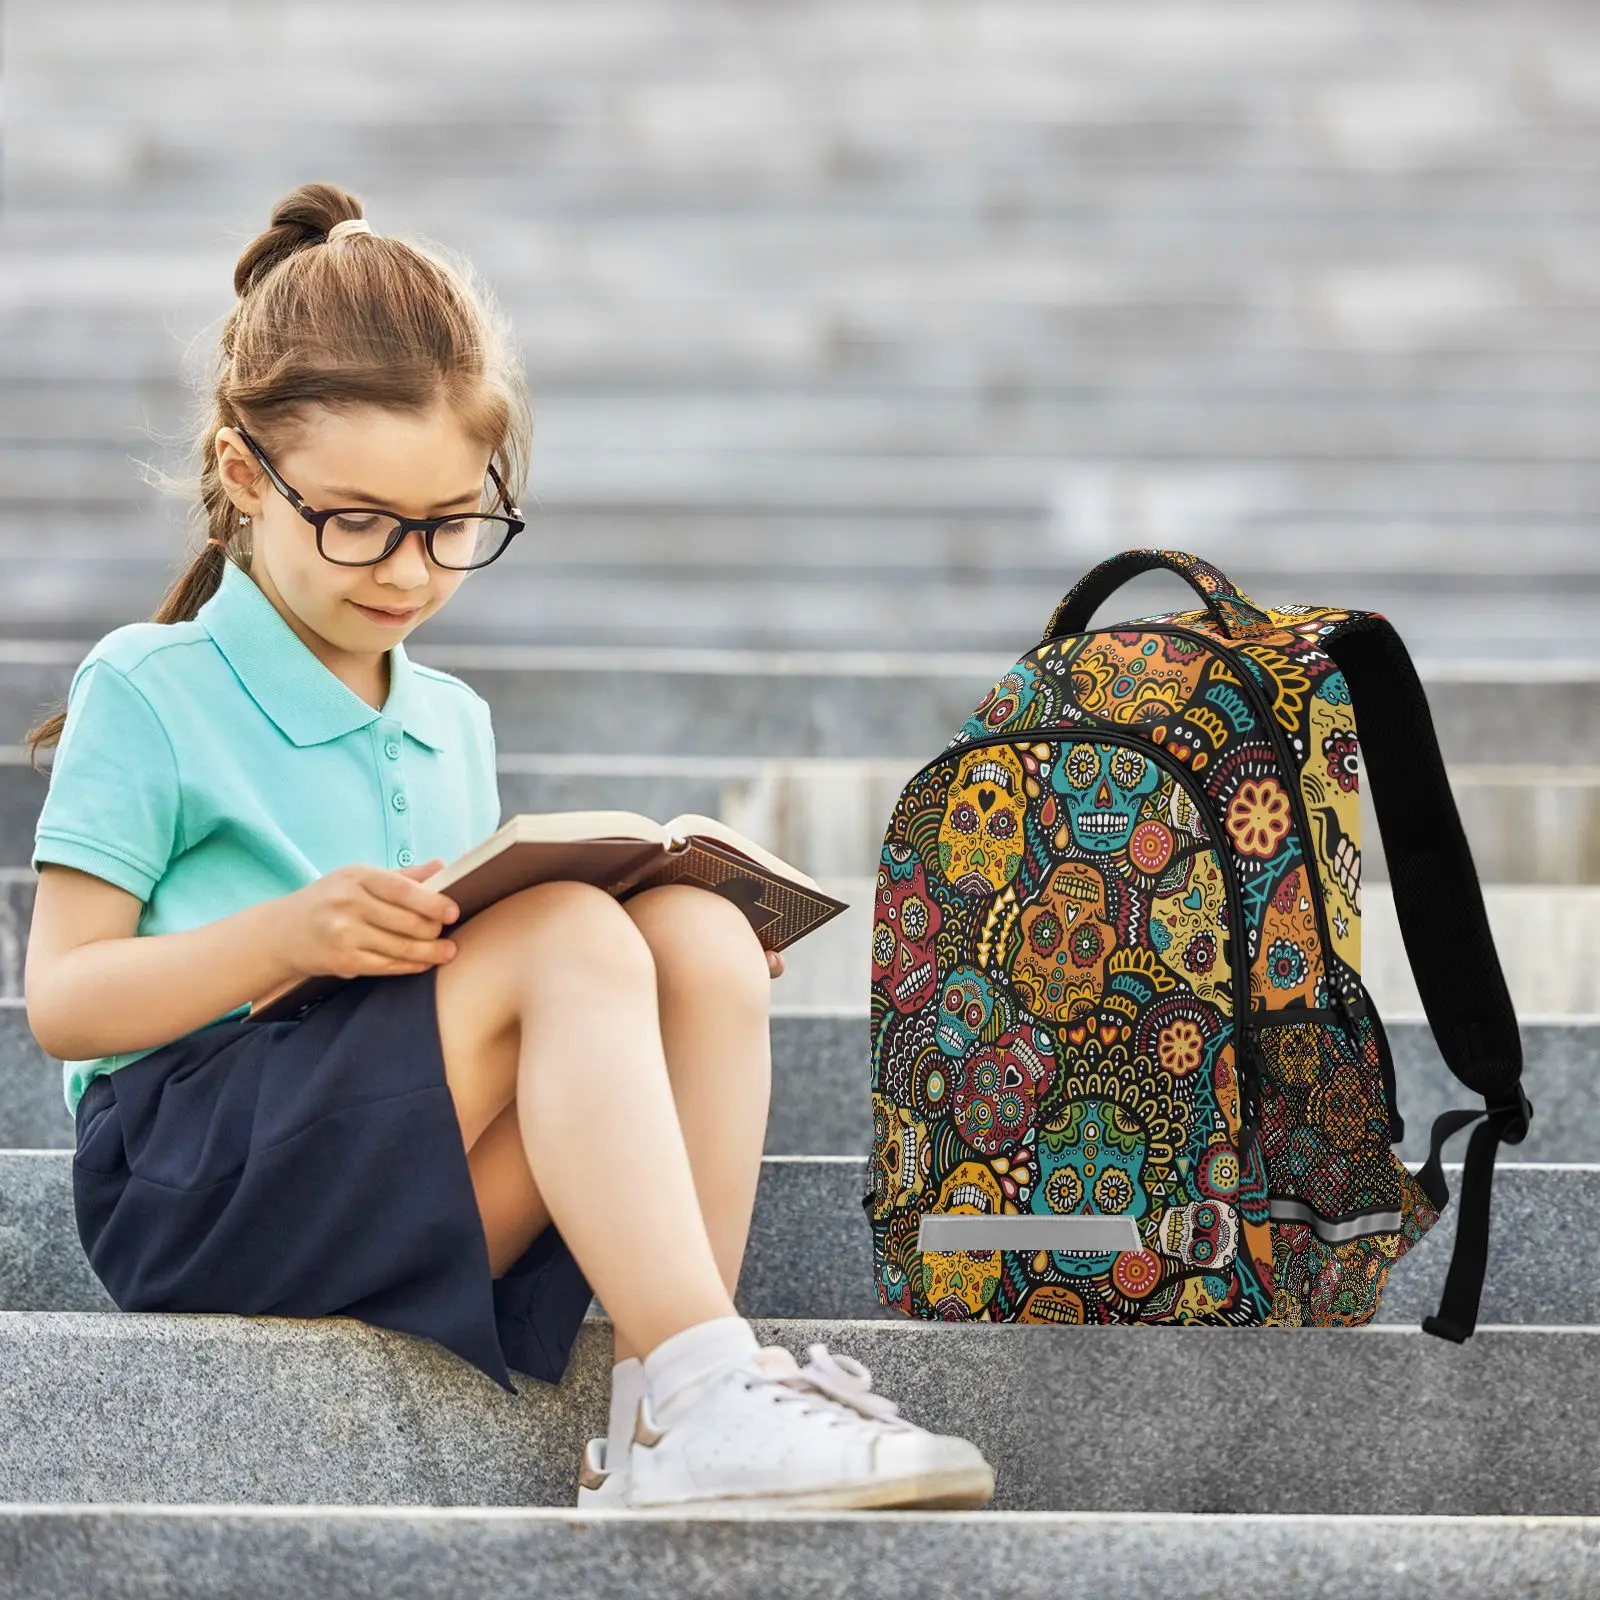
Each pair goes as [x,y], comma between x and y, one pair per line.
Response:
[566,926]
[692,930]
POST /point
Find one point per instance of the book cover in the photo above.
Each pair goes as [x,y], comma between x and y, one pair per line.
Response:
[781,903]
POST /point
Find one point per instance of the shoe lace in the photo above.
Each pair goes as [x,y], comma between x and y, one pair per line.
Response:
[841,1383]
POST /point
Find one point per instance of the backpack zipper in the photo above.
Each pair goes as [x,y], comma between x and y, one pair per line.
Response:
[1244,1044]
[1297,803]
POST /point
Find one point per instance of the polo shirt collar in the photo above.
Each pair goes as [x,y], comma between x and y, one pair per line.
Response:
[306,700]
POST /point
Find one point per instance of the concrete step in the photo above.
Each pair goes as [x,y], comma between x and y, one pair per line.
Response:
[736,562]
[1545,621]
[184,1552]
[821,1085]
[1543,936]
[209,1408]
[88,427]
[692,317]
[639,475]
[687,322]
[1295,426]
[977,213]
[810,1249]
[1234,60]
[1047,147]
[854,703]
[1525,824]
[1232,46]
[91,336]
[837,240]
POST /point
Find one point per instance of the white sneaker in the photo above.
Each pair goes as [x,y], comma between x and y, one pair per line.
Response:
[598,1485]
[768,1434]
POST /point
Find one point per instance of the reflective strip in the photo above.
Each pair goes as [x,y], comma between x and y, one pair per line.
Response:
[1335,1232]
[973,1231]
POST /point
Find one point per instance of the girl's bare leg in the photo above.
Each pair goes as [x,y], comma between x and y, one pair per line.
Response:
[555,1056]
[714,992]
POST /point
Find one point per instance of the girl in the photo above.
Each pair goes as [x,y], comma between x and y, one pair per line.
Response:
[252,786]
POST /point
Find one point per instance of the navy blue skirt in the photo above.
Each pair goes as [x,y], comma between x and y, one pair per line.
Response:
[313,1168]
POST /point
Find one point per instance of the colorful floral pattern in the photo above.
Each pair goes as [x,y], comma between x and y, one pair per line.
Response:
[1077,1056]
[1259,818]
[1053,990]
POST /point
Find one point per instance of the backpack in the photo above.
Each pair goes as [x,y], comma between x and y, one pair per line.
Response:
[1081,1112]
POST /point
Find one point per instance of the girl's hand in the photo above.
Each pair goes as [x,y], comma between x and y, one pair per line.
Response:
[358,920]
[774,962]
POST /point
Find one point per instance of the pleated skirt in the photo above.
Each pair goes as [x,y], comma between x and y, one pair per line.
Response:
[313,1168]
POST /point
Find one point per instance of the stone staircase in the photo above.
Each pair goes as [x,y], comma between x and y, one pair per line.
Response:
[852,329]
[328,1447]
[856,334]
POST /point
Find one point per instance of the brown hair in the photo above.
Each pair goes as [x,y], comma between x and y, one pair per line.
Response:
[369,320]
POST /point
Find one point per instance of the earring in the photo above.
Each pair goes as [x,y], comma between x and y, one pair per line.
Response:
[244,521]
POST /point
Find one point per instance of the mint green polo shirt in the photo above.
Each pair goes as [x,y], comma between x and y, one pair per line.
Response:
[208,765]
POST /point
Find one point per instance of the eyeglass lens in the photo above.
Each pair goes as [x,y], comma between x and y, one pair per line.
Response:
[357,538]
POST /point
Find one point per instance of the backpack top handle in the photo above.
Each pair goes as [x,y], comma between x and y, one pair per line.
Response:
[1231,608]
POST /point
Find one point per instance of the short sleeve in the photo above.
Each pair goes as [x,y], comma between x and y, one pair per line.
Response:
[112,806]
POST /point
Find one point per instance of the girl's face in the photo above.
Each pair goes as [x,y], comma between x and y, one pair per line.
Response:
[420,466]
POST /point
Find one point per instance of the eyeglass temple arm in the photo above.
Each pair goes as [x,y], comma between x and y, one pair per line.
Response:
[505,499]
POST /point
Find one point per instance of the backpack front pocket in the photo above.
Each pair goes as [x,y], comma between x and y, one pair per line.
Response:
[1056,1070]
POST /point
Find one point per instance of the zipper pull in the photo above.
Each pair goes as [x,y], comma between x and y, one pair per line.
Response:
[1347,1019]
[1250,1081]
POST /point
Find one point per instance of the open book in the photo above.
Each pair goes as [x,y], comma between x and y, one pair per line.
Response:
[622,852]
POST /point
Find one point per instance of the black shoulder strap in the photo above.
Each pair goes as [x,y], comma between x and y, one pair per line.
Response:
[1446,931]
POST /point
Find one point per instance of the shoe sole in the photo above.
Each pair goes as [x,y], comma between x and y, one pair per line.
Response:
[963,1490]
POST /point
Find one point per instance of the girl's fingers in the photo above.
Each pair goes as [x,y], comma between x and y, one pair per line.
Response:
[391,917]
[423,952]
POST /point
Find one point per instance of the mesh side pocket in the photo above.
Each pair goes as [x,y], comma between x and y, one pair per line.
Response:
[1344,1206]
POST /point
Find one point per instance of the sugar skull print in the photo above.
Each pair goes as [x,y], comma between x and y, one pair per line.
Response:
[958,1284]
[1330,781]
[1065,938]
[980,838]
[906,923]
[1289,937]
[1184,927]
[1102,789]
[1019,699]
[1124,876]
[1202,1235]
[964,1010]
[899,1268]
[1091,1163]
[1092,888]
[997,1090]
[1052,1302]
[902,1155]
[1130,678]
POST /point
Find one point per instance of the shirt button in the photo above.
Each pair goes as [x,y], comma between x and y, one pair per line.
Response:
[405,858]
[399,802]
[392,750]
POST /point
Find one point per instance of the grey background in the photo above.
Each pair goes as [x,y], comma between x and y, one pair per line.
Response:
[867,325]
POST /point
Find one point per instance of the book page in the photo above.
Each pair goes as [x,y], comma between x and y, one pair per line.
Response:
[687,822]
[587,825]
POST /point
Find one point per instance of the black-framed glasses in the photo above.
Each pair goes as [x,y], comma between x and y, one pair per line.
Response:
[360,536]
